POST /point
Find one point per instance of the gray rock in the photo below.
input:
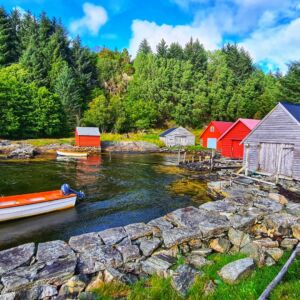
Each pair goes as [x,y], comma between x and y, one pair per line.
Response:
[255,252]
[242,222]
[113,236]
[147,246]
[293,208]
[99,259]
[83,242]
[158,264]
[221,206]
[266,243]
[15,257]
[268,205]
[289,243]
[177,236]
[270,261]
[129,252]
[111,274]
[278,198]
[8,296]
[202,251]
[275,253]
[220,245]
[280,223]
[238,238]
[234,271]
[44,291]
[138,230]
[195,244]
[182,278]
[53,250]
[24,151]
[296,231]
[73,287]
[160,223]
[198,261]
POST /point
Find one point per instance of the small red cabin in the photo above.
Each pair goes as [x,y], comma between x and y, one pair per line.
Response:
[87,137]
[231,139]
[209,137]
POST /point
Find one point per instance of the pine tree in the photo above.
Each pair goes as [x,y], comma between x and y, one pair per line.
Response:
[8,43]
[175,51]
[144,47]
[162,49]
[196,54]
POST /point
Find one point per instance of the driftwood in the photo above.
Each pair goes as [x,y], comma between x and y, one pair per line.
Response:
[256,179]
[280,275]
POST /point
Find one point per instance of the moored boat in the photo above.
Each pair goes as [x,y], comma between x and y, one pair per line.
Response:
[26,205]
[71,153]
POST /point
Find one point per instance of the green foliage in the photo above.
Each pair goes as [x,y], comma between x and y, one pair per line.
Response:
[144,47]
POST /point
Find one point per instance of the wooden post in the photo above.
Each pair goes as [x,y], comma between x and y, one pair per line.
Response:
[178,158]
[193,158]
[184,156]
[279,164]
[280,275]
[247,160]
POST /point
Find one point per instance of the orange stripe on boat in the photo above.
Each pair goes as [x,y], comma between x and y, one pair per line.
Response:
[33,198]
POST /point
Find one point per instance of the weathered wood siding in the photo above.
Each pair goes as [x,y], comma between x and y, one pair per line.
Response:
[278,130]
[180,137]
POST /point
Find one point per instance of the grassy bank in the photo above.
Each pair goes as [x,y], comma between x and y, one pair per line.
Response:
[151,136]
[155,288]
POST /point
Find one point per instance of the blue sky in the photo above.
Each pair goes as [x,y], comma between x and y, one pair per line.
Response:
[268,29]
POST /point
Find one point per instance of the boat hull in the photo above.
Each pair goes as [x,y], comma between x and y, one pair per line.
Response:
[72,154]
[34,209]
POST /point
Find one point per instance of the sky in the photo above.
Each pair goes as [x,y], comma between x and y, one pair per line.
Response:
[268,29]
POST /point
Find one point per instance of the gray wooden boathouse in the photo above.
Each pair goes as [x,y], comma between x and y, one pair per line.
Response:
[177,136]
[273,146]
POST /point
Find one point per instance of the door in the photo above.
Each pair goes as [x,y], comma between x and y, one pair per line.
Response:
[212,143]
[276,158]
[237,150]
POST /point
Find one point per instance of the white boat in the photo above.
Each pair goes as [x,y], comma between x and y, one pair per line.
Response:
[27,205]
[71,153]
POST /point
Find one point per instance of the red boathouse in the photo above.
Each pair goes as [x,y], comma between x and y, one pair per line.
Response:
[209,137]
[231,139]
[87,137]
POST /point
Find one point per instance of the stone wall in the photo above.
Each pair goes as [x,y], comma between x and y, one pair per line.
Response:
[257,223]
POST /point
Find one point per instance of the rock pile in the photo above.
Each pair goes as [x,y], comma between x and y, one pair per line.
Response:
[254,222]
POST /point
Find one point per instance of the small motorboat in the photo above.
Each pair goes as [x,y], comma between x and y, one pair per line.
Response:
[27,205]
[71,153]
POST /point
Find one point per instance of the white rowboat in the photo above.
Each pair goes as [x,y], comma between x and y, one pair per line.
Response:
[71,154]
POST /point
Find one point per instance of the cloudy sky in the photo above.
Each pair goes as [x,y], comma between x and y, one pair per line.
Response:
[268,29]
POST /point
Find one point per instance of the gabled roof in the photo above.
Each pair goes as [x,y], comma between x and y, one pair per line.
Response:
[250,123]
[220,125]
[293,109]
[90,131]
[167,131]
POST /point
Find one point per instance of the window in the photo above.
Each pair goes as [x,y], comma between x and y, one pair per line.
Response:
[212,129]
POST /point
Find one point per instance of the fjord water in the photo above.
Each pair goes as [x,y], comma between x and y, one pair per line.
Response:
[123,189]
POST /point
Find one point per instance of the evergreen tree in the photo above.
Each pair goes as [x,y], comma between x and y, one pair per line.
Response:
[144,47]
[8,42]
[162,49]
[290,88]
[196,54]
[175,51]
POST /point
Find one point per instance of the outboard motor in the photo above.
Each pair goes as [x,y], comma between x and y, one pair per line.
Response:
[67,190]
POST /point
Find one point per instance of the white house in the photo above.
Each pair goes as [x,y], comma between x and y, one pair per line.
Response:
[177,136]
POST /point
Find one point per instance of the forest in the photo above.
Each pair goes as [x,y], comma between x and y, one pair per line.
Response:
[50,83]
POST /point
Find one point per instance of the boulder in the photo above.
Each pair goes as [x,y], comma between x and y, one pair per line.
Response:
[8,296]
[138,230]
[157,264]
[289,243]
[275,253]
[44,291]
[198,261]
[270,261]
[147,246]
[266,243]
[296,231]
[73,287]
[202,251]
[113,236]
[24,151]
[293,208]
[278,198]
[242,221]
[111,274]
[253,251]
[183,277]
[217,188]
[129,252]
[99,259]
[16,257]
[173,251]
[195,244]
[51,251]
[234,271]
[161,224]
[238,238]
[220,245]
[280,223]
[221,206]
[268,205]
[83,242]
[176,236]
[95,282]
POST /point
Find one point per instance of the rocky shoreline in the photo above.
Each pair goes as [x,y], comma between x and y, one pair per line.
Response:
[253,220]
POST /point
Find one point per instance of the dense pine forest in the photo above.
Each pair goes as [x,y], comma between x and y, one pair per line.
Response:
[50,83]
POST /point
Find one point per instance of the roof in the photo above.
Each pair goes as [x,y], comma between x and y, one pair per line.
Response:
[250,123]
[293,109]
[166,132]
[90,131]
[220,125]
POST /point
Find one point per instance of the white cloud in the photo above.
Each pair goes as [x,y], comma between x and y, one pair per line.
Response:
[278,45]
[205,32]
[94,18]
[21,10]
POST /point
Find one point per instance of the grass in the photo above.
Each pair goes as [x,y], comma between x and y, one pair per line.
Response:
[45,142]
[156,288]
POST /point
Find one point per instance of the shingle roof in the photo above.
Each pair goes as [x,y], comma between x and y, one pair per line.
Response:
[293,109]
[90,131]
[167,131]
[222,126]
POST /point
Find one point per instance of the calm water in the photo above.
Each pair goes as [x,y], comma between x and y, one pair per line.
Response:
[126,189]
